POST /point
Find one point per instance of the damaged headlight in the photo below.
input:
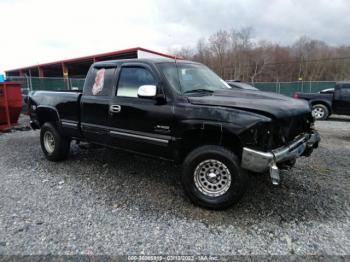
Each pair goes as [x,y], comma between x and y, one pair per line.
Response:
[267,136]
[253,132]
[259,136]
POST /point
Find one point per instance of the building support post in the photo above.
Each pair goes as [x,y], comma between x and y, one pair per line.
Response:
[65,76]
[41,72]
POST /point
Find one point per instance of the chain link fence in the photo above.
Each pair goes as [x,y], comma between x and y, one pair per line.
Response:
[289,88]
[46,83]
[61,84]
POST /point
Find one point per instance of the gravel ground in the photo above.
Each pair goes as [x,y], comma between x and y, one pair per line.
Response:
[102,201]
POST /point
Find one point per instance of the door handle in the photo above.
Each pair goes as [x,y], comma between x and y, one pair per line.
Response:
[115,108]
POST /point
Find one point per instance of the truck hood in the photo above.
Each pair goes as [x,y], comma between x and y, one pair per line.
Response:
[266,103]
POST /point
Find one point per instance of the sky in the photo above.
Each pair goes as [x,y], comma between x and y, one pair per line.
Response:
[39,31]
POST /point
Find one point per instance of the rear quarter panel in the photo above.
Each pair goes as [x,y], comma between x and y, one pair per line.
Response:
[66,106]
[313,99]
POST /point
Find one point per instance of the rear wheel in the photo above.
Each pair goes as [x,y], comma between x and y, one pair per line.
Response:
[212,177]
[53,144]
[320,112]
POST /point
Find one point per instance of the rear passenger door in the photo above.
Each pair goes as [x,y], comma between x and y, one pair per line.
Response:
[140,124]
[98,91]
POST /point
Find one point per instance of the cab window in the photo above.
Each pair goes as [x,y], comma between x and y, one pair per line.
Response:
[131,78]
[100,82]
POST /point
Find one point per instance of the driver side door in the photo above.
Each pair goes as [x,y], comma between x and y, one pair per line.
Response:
[140,124]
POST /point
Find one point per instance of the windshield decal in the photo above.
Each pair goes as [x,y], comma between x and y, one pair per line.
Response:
[99,81]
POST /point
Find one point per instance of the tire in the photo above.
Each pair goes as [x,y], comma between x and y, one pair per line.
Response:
[320,112]
[224,192]
[53,144]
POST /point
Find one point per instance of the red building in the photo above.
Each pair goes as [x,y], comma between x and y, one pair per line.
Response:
[78,67]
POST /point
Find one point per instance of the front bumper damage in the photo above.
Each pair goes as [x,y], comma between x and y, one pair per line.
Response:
[259,161]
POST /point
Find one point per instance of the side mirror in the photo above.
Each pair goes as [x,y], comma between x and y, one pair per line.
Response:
[147,91]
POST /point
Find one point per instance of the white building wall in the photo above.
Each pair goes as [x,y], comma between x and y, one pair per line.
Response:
[143,54]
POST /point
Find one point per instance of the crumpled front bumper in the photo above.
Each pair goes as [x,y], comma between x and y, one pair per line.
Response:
[259,161]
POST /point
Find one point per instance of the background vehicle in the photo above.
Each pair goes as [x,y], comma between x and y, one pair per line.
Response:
[239,85]
[329,101]
[183,112]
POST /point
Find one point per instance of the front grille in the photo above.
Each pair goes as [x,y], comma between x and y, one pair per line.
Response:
[277,133]
[285,130]
[282,131]
[294,126]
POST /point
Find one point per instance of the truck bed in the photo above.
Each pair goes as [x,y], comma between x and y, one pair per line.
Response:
[315,96]
[64,104]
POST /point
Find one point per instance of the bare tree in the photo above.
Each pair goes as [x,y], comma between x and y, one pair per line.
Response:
[219,45]
[235,55]
[260,56]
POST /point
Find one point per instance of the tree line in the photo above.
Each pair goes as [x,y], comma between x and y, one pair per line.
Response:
[234,54]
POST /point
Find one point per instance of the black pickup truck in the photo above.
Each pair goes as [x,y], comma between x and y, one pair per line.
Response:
[183,112]
[330,101]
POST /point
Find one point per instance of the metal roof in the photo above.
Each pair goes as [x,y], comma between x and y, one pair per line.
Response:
[90,57]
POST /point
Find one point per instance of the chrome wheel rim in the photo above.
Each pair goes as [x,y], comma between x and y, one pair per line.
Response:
[212,178]
[49,142]
[318,112]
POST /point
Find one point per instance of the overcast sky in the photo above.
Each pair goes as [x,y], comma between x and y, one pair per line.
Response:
[37,31]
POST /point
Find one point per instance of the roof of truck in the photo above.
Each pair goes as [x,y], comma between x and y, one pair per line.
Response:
[142,60]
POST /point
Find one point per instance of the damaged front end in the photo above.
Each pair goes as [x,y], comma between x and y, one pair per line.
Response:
[269,145]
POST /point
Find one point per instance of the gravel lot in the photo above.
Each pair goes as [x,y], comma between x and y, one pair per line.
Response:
[102,201]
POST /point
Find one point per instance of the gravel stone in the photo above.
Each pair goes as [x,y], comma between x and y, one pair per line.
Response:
[101,201]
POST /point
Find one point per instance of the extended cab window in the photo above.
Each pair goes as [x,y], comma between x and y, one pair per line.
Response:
[131,78]
[100,82]
[346,90]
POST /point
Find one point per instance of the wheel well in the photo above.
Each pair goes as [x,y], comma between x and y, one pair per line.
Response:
[47,115]
[196,138]
[316,102]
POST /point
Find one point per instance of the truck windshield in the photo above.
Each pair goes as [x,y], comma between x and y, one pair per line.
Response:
[190,79]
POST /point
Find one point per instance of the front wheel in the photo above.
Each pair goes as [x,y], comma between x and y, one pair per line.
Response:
[53,144]
[212,177]
[320,112]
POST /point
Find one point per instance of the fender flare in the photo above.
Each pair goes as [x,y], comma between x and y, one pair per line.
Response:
[209,132]
[326,103]
[45,113]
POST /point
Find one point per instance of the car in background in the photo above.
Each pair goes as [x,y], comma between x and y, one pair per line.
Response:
[240,85]
[329,101]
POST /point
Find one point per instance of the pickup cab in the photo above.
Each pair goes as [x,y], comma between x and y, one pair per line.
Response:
[330,101]
[183,112]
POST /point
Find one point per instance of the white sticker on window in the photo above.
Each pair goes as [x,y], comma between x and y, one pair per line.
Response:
[99,81]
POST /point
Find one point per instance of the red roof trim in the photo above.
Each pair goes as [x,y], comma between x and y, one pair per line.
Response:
[91,57]
[9,83]
[156,53]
